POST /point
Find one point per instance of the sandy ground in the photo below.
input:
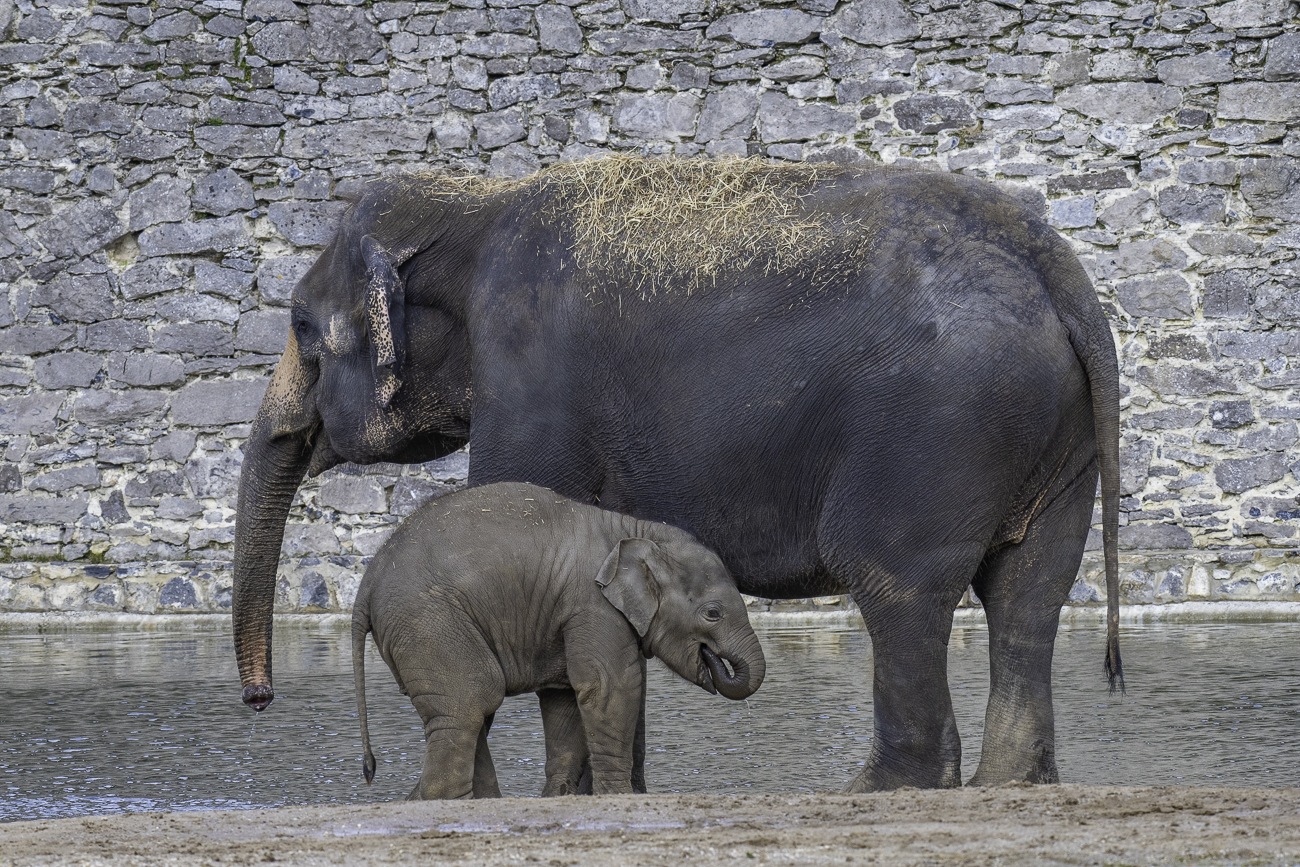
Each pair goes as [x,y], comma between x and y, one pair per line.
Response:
[1016,825]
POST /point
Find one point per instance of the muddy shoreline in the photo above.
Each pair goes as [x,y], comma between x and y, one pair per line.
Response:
[1010,825]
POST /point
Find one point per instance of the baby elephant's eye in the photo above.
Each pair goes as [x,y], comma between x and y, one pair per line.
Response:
[712,613]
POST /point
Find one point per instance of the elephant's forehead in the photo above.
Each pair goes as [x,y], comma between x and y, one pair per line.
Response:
[340,333]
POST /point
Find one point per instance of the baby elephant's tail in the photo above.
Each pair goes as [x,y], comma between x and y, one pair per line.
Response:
[360,629]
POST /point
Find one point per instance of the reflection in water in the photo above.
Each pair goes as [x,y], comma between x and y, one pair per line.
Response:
[105,722]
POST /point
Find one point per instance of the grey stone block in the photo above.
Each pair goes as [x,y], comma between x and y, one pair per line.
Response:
[123,456]
[228,282]
[1274,437]
[280,41]
[1218,172]
[766,27]
[10,479]
[1192,204]
[174,446]
[307,540]
[356,495]
[636,38]
[513,161]
[216,476]
[1247,14]
[244,113]
[1229,414]
[409,494]
[659,116]
[496,129]
[976,20]
[1227,294]
[113,510]
[87,298]
[68,369]
[193,338]
[1238,475]
[29,414]
[80,230]
[728,113]
[1121,65]
[235,141]
[102,407]
[178,508]
[512,89]
[223,234]
[928,114]
[163,200]
[263,331]
[665,11]
[463,21]
[287,79]
[1129,211]
[84,118]
[1021,117]
[645,76]
[120,54]
[1011,91]
[1135,258]
[178,594]
[500,45]
[21,509]
[357,138]
[1122,102]
[222,193]
[150,277]
[149,148]
[277,276]
[1207,68]
[1135,465]
[1271,187]
[1282,62]
[155,484]
[37,181]
[876,22]
[115,334]
[1260,100]
[1073,213]
[784,119]
[341,33]
[1168,380]
[35,339]
[1166,296]
[1279,302]
[145,368]
[1153,537]
[557,30]
[307,224]
[211,404]
[469,72]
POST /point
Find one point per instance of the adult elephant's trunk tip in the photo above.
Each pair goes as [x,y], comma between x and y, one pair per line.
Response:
[258,697]
[740,683]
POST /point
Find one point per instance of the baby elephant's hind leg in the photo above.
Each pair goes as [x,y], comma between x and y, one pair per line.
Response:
[451,738]
[566,743]
[485,773]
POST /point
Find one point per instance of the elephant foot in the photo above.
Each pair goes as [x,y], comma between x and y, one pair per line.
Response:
[877,778]
[1039,769]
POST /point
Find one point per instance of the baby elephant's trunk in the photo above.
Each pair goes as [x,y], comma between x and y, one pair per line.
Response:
[748,668]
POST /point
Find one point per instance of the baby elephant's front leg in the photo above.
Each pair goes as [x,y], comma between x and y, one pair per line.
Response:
[611,694]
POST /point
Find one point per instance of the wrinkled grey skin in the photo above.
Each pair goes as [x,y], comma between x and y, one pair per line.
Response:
[602,591]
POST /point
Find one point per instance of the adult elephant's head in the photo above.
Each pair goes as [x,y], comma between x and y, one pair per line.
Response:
[376,368]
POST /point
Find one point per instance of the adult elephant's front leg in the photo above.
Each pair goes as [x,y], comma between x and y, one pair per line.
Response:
[915,739]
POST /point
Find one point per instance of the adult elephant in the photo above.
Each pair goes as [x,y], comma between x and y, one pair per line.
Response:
[891,382]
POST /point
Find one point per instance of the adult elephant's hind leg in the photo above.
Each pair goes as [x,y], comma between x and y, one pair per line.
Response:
[1023,587]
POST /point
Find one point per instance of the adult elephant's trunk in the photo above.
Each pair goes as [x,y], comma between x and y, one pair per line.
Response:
[276,456]
[747,664]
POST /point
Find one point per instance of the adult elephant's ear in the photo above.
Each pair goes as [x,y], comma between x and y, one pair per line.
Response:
[385,315]
[626,580]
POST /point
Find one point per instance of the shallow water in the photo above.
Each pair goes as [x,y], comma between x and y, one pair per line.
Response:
[108,722]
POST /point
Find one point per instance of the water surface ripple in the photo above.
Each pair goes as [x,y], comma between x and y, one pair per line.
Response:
[109,722]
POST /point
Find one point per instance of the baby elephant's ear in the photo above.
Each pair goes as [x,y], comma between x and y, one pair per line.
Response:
[628,584]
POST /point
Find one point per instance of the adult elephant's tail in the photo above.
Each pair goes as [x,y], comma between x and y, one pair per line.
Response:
[1076,305]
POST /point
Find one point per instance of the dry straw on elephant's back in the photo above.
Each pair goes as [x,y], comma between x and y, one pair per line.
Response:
[658,223]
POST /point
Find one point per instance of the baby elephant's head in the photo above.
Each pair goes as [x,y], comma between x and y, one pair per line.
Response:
[683,603]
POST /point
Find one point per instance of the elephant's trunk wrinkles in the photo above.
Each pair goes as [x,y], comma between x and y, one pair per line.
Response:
[747,673]
[274,466]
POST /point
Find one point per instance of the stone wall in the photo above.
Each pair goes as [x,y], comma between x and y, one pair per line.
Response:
[169,168]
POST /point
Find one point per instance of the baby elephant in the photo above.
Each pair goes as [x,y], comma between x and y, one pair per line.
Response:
[511,588]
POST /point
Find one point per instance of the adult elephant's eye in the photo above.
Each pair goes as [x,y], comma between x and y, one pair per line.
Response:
[712,613]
